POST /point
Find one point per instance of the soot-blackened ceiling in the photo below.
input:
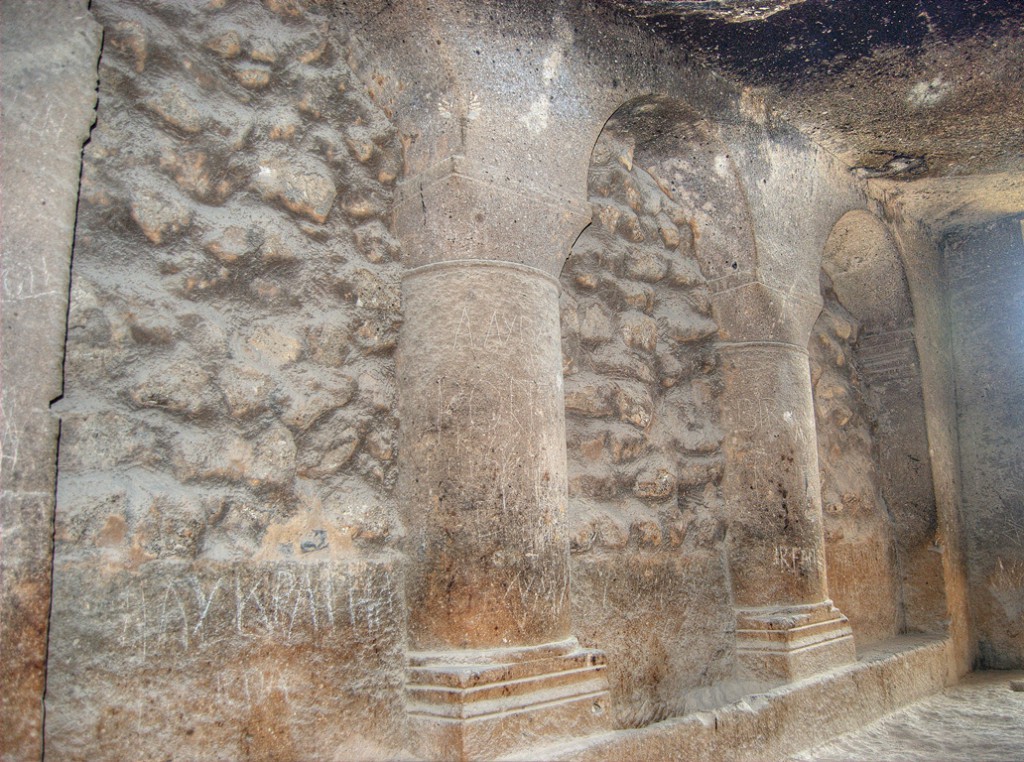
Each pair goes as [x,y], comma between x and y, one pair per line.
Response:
[897,89]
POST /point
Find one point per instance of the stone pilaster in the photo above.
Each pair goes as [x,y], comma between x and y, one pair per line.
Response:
[786,626]
[48,60]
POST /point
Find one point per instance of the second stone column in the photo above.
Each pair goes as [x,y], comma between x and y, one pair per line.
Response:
[786,625]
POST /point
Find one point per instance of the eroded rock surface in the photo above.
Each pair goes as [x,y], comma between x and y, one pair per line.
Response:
[645,460]
[238,569]
[859,543]
[225,530]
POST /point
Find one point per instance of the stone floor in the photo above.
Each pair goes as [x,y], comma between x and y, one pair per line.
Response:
[979,719]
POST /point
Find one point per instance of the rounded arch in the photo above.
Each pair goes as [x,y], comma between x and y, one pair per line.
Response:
[679,147]
[641,381]
[872,431]
[863,263]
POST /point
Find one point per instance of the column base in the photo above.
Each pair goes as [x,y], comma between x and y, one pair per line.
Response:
[792,642]
[484,704]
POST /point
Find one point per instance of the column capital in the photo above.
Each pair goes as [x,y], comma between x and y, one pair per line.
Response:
[461,209]
[499,105]
[754,312]
[502,83]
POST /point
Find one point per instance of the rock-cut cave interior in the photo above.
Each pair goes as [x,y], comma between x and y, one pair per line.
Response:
[511,379]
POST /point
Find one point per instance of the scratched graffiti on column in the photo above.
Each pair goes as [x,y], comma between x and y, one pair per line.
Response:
[496,332]
[797,560]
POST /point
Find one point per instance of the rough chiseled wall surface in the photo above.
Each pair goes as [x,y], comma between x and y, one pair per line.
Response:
[986,283]
[641,396]
[225,526]
[226,534]
[859,546]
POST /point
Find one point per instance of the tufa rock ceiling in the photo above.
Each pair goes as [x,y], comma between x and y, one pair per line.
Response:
[898,90]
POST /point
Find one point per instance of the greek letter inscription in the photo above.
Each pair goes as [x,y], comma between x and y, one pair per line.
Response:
[285,602]
[496,332]
[795,559]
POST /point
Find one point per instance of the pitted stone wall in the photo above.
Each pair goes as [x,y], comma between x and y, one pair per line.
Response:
[227,575]
[641,395]
[863,577]
[225,523]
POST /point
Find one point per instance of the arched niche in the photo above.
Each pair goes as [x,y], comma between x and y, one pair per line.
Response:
[863,264]
[674,142]
[877,492]
[642,388]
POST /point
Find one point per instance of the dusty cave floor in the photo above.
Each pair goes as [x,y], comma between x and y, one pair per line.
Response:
[979,719]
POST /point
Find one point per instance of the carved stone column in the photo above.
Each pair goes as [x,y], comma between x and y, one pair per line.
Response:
[492,198]
[484,475]
[786,626]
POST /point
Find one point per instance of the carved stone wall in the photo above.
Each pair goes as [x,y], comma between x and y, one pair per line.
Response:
[48,57]
[887,547]
[641,395]
[231,562]
[859,545]
[225,525]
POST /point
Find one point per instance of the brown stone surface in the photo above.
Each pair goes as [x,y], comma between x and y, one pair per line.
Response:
[873,346]
[973,719]
[643,469]
[785,720]
[48,71]
[483,448]
[225,510]
[481,704]
[642,387]
[226,660]
[776,544]
[893,89]
[482,451]
[859,538]
[922,260]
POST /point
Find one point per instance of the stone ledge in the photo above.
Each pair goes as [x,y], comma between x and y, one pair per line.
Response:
[782,721]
